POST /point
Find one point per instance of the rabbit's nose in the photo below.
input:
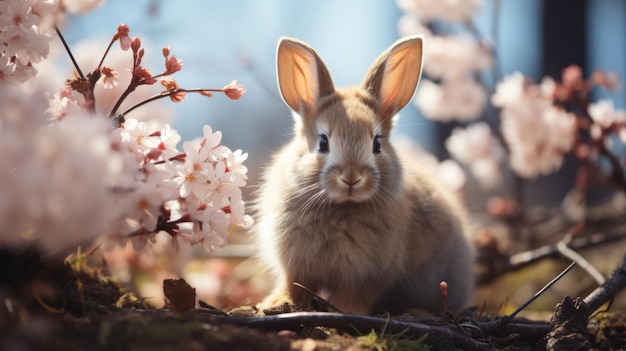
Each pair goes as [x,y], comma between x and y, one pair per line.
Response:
[351,181]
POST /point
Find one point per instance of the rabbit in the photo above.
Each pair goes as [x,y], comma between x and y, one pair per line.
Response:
[343,213]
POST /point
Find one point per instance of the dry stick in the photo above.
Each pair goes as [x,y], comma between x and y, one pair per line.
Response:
[607,290]
[527,258]
[581,261]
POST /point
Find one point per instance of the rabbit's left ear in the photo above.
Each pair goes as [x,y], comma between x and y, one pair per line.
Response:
[393,77]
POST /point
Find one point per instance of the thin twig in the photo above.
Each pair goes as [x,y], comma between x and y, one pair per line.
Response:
[69,52]
[316,296]
[166,93]
[546,287]
[105,53]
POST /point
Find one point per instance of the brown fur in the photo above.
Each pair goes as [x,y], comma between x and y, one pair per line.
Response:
[370,232]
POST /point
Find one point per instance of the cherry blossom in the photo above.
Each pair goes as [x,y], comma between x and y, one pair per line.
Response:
[25,30]
[136,136]
[524,112]
[81,6]
[171,85]
[459,98]
[449,10]
[451,56]
[139,183]
[44,193]
[109,78]
[195,176]
[604,114]
[477,147]
[510,91]
[122,34]
[169,138]
[172,65]
[62,104]
[234,90]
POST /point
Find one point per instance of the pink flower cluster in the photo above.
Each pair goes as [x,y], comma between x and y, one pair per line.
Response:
[26,27]
[55,177]
[537,132]
[82,173]
[453,60]
[194,196]
[477,147]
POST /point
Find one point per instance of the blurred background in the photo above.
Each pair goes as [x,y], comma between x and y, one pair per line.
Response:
[219,41]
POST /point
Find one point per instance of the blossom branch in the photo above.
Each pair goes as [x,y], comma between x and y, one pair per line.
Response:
[171,93]
[170,227]
[69,53]
[106,52]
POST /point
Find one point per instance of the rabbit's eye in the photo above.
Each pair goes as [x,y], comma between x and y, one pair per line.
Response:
[323,143]
[377,144]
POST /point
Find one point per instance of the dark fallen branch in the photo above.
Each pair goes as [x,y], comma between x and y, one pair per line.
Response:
[353,324]
[467,335]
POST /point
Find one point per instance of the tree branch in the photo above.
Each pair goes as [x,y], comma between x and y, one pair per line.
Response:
[607,290]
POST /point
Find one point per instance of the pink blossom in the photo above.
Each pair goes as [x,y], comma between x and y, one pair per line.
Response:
[510,90]
[234,90]
[172,65]
[62,104]
[122,33]
[144,76]
[477,147]
[450,56]
[135,44]
[532,153]
[109,79]
[26,27]
[52,185]
[166,51]
[604,114]
[171,85]
[454,10]
[81,6]
[457,98]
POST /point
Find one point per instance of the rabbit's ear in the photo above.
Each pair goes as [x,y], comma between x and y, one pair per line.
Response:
[303,78]
[394,75]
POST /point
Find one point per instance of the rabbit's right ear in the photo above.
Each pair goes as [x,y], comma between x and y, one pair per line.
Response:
[303,78]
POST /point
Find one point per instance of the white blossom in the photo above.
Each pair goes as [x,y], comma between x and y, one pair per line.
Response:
[55,184]
[448,10]
[26,28]
[81,6]
[604,114]
[459,98]
[509,91]
[452,56]
[538,134]
[410,24]
[477,147]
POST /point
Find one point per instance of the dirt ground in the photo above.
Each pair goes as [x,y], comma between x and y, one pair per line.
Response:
[61,305]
